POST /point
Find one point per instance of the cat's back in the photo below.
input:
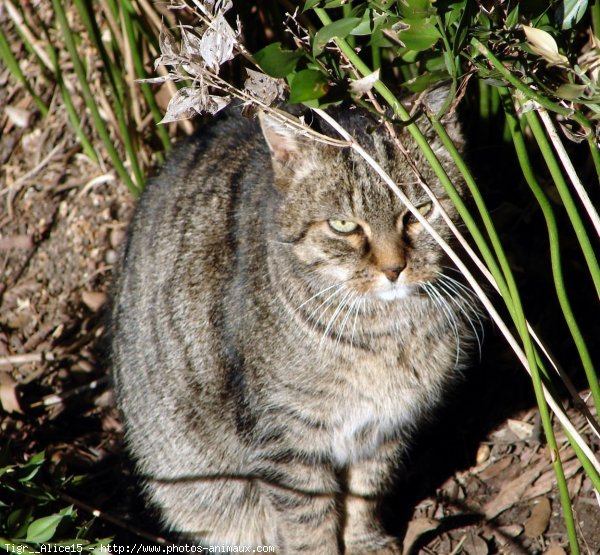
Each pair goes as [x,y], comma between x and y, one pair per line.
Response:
[200,181]
[185,214]
[169,292]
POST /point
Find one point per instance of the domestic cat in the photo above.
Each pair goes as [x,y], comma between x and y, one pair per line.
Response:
[281,325]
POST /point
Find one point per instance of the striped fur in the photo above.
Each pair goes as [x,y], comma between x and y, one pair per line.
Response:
[269,373]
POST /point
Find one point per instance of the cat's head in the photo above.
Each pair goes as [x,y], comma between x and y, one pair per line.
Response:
[342,222]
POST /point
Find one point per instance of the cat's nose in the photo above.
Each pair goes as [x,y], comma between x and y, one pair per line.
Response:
[392,272]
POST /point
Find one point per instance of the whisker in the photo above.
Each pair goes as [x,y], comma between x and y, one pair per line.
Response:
[469,298]
[356,318]
[325,302]
[351,302]
[335,315]
[467,290]
[441,302]
[447,289]
[318,294]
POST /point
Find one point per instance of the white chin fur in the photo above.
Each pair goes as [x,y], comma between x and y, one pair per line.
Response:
[394,292]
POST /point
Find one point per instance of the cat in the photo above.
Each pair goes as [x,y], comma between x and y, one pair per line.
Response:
[281,326]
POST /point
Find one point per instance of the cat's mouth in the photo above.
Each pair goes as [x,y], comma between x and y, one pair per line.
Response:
[394,291]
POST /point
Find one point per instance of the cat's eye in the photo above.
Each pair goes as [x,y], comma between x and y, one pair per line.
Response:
[345,227]
[424,209]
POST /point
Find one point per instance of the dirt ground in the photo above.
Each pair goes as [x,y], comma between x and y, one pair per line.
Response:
[478,482]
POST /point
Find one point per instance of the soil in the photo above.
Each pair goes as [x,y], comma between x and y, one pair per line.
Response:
[478,481]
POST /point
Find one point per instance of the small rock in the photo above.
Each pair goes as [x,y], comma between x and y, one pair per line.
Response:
[94,300]
[110,256]
[116,237]
[83,366]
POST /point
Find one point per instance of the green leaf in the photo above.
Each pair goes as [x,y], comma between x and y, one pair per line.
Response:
[309,4]
[340,29]
[28,470]
[570,91]
[307,84]
[37,459]
[371,21]
[416,9]
[513,17]
[572,11]
[276,62]
[422,34]
[18,521]
[43,529]
[435,63]
[379,40]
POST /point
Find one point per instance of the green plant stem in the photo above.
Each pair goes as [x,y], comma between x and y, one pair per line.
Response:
[595,150]
[141,74]
[376,57]
[14,67]
[116,78]
[565,195]
[527,91]
[543,101]
[89,99]
[555,259]
[347,12]
[596,17]
[484,101]
[86,144]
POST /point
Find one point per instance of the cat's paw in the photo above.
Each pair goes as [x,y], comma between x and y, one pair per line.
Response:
[387,546]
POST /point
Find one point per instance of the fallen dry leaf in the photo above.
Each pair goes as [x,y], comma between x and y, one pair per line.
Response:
[18,116]
[9,399]
[523,430]
[495,468]
[16,242]
[538,521]
[512,492]
[365,84]
[475,545]
[555,550]
[417,528]
[511,530]
[547,480]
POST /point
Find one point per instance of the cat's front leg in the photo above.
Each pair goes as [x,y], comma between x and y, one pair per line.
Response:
[366,481]
[304,502]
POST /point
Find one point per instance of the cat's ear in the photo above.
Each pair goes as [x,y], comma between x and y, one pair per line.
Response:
[282,139]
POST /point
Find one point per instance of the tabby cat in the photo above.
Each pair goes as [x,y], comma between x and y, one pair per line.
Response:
[281,325]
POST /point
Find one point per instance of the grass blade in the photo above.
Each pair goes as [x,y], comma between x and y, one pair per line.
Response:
[90,101]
